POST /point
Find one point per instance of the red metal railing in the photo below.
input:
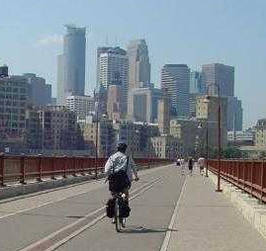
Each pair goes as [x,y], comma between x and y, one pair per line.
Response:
[249,175]
[23,168]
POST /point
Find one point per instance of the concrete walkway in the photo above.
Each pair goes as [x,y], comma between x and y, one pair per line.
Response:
[208,221]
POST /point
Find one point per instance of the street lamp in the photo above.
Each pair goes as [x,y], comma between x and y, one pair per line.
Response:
[207,147]
[219,136]
[96,141]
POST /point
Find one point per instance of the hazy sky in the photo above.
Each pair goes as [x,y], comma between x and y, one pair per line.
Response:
[176,31]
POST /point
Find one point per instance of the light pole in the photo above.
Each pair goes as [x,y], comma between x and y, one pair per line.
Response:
[219,138]
[219,142]
[96,140]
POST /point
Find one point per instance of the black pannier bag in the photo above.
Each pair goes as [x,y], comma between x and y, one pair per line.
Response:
[124,209]
[110,208]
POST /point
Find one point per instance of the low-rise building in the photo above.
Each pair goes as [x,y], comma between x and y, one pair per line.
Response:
[59,128]
[14,98]
[164,147]
[241,138]
[187,132]
[99,135]
[260,133]
[207,108]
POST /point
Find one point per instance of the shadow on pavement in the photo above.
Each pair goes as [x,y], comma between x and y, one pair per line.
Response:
[144,230]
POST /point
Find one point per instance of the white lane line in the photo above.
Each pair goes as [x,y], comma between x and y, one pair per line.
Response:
[77,232]
[47,238]
[174,216]
[97,183]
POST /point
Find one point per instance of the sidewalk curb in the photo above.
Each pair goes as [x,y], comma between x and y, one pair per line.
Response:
[252,210]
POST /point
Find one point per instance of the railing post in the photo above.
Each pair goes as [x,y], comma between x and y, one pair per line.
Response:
[40,168]
[64,167]
[262,180]
[238,172]
[2,169]
[75,164]
[22,170]
[244,173]
[53,168]
[253,165]
[82,166]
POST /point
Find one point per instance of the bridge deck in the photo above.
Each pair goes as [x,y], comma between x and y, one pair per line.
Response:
[72,218]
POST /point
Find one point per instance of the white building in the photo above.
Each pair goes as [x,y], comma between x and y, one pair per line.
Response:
[81,105]
[112,69]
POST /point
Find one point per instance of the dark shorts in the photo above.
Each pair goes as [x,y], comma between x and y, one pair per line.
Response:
[118,182]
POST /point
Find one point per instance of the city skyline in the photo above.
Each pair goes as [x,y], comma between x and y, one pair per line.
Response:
[235,37]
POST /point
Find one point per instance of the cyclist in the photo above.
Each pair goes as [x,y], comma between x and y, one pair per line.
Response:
[119,169]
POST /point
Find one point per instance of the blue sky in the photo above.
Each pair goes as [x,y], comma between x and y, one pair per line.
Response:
[177,31]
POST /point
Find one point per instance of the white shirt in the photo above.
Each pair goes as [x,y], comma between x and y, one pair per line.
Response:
[201,161]
[118,161]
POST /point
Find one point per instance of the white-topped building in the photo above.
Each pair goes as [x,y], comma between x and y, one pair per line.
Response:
[81,105]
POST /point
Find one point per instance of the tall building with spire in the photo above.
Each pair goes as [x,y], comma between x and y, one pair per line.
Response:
[139,63]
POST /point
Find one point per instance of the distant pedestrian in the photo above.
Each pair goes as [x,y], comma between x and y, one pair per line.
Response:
[190,165]
[178,162]
[201,164]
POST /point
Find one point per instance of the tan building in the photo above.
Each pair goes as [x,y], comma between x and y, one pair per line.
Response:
[164,115]
[103,139]
[164,147]
[114,102]
[187,132]
[260,133]
[139,64]
[207,109]
[59,128]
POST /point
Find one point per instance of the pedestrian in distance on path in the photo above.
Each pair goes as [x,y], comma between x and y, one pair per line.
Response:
[190,165]
[201,163]
[182,165]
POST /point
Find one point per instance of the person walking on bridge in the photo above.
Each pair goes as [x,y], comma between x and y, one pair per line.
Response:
[190,165]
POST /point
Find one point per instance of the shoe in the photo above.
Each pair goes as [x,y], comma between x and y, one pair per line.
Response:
[113,221]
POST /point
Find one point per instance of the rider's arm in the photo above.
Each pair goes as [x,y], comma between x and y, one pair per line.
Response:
[108,166]
[133,167]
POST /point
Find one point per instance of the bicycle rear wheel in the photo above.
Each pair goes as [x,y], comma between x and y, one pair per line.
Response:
[117,221]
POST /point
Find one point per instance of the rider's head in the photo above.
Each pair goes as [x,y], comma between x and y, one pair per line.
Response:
[121,147]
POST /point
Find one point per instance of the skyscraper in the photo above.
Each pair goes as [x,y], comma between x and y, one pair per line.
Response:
[112,69]
[175,81]
[139,64]
[74,61]
[221,75]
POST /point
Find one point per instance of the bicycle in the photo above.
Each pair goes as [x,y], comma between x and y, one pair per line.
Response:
[118,220]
